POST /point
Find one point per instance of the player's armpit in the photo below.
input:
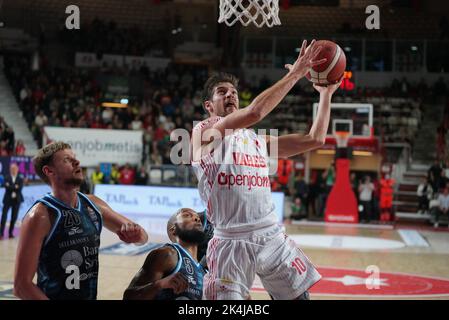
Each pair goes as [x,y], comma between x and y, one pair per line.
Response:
[290,145]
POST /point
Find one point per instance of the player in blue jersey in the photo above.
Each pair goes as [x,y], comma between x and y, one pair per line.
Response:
[172,272]
[60,234]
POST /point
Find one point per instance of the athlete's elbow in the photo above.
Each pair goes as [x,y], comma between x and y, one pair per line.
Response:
[254,114]
[19,288]
[317,141]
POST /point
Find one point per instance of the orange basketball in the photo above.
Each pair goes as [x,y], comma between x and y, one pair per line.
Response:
[331,71]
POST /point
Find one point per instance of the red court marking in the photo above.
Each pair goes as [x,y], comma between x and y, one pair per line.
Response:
[349,282]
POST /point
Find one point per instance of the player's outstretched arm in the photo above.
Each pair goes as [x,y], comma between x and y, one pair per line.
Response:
[293,144]
[154,276]
[35,228]
[127,230]
[265,102]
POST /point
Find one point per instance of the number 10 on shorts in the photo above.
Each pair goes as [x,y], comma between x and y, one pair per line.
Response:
[299,265]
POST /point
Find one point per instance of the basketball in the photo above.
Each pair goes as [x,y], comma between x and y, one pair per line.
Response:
[331,71]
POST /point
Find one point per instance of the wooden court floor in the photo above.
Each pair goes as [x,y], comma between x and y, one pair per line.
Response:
[116,271]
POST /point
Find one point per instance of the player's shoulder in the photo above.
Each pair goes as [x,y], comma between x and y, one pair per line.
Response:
[207,123]
[164,252]
[38,214]
[165,255]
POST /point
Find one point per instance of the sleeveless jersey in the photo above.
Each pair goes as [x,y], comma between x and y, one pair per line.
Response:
[193,271]
[233,182]
[68,261]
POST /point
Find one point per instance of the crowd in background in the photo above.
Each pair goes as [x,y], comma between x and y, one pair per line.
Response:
[172,98]
[8,144]
[433,192]
[309,199]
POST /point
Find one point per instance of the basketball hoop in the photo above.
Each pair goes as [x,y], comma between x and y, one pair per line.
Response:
[342,138]
[259,12]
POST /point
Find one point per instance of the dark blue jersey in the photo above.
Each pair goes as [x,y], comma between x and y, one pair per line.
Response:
[193,271]
[68,261]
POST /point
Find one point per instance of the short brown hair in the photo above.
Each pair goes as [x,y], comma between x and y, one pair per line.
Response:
[211,83]
[45,156]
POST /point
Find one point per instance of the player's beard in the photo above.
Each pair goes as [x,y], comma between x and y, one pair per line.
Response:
[75,182]
[191,236]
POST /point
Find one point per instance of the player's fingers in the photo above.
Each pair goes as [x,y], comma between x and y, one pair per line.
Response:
[303,48]
[317,62]
[310,48]
[132,228]
[288,66]
[316,51]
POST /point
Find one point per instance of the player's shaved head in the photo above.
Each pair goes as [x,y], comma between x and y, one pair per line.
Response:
[171,223]
[176,229]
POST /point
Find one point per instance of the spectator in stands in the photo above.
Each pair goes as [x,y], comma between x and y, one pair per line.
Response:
[298,210]
[329,176]
[156,158]
[115,174]
[275,186]
[8,137]
[424,193]
[441,142]
[442,208]
[41,119]
[312,196]
[20,148]
[354,184]
[375,213]
[107,115]
[366,190]
[301,190]
[434,174]
[127,175]
[321,189]
[142,177]
[3,149]
[97,177]
[136,124]
[444,180]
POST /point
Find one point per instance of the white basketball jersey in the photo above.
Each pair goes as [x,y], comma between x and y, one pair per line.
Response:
[234,184]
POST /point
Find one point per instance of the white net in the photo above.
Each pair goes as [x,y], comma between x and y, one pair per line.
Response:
[259,12]
[342,139]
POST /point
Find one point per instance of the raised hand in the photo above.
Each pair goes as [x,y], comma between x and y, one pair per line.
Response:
[329,89]
[306,59]
[132,233]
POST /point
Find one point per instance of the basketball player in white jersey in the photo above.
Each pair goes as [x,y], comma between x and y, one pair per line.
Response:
[234,184]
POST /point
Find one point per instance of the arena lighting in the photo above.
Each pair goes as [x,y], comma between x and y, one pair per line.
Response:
[114,105]
[362,153]
[327,152]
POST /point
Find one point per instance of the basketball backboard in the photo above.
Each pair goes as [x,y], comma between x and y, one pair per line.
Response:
[356,118]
